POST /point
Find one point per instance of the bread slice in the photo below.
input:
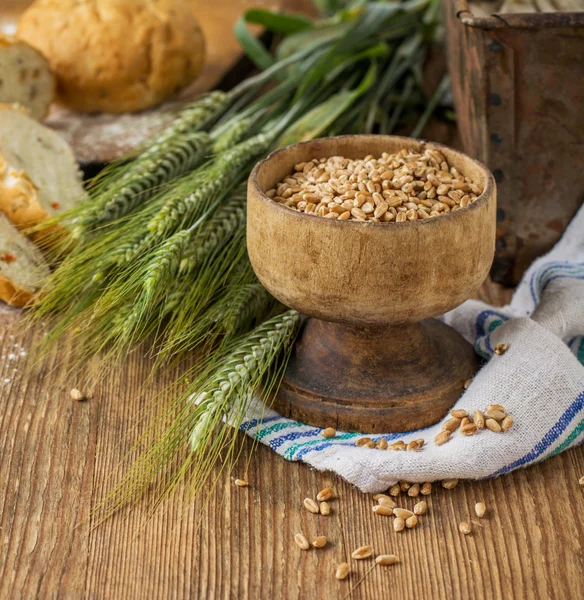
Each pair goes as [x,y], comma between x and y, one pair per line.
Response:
[22,266]
[39,176]
[25,77]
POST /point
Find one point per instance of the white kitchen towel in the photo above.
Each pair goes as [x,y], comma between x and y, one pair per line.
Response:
[539,380]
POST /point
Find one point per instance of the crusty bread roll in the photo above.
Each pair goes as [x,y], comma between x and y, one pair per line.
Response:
[25,77]
[39,176]
[116,55]
[22,266]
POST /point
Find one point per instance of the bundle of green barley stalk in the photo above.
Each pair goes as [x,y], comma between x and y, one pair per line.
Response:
[157,256]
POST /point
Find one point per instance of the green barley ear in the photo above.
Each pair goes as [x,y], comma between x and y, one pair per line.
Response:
[207,416]
[131,180]
[144,177]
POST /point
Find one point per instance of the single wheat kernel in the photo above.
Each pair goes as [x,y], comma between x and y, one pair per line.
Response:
[478,419]
[420,508]
[426,489]
[501,348]
[382,444]
[492,425]
[395,490]
[442,437]
[480,509]
[414,491]
[404,486]
[342,571]
[498,415]
[399,445]
[383,499]
[362,552]
[386,501]
[449,483]
[412,522]
[468,429]
[399,524]
[403,513]
[241,483]
[370,445]
[386,559]
[467,384]
[507,423]
[362,441]
[413,445]
[326,494]
[329,432]
[458,413]
[498,407]
[464,421]
[77,395]
[319,542]
[311,506]
[301,542]
[325,508]
[451,424]
[464,528]
[383,509]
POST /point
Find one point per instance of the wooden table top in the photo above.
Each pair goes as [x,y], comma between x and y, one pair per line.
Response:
[56,455]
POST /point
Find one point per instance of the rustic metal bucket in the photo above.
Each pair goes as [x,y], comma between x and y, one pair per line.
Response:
[518,85]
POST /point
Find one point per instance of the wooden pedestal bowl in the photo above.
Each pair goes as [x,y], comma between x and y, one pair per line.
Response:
[370,358]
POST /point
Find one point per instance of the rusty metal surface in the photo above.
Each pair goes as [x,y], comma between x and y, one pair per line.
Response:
[518,85]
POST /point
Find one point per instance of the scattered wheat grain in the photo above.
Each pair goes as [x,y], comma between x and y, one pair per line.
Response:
[362,553]
[412,522]
[386,559]
[442,437]
[464,528]
[326,494]
[342,571]
[449,483]
[492,425]
[77,395]
[458,413]
[414,491]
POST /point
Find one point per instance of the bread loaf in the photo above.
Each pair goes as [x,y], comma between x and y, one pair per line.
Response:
[22,266]
[25,77]
[39,176]
[116,55]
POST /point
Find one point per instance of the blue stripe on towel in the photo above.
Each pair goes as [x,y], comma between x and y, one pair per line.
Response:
[549,438]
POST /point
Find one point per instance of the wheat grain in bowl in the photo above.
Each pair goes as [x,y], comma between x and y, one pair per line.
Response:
[405,186]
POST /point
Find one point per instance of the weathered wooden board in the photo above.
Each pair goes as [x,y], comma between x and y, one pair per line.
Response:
[56,455]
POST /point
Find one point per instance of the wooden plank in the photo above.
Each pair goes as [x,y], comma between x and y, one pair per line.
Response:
[56,456]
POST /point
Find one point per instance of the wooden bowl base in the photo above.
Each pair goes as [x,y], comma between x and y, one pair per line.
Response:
[374,379]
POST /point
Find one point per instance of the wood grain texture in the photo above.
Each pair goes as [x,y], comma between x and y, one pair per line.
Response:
[56,456]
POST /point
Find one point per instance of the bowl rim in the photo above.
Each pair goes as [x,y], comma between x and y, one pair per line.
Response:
[488,192]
